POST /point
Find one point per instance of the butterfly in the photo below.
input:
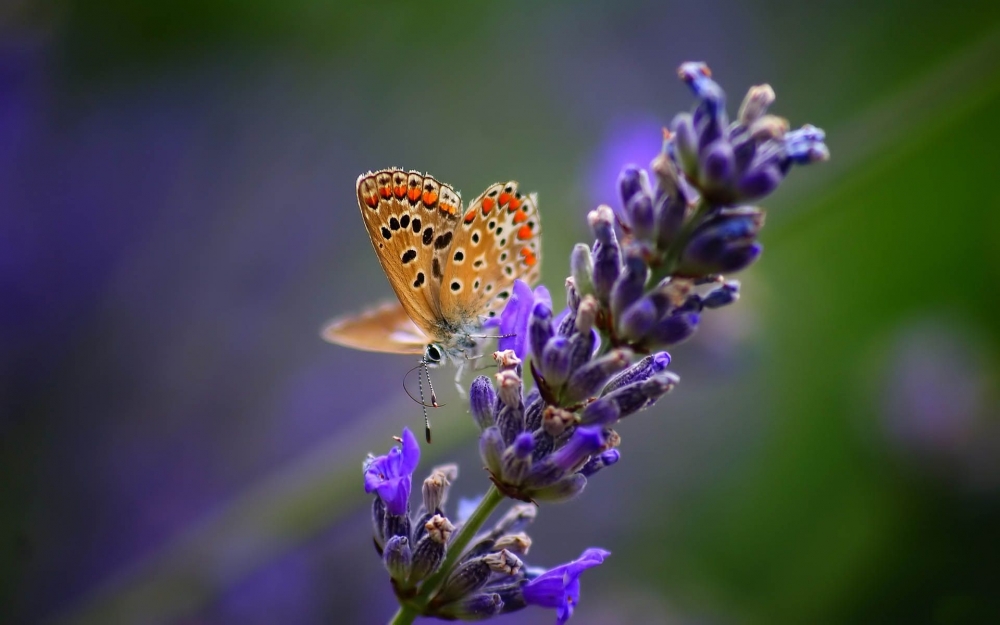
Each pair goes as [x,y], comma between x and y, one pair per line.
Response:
[452,268]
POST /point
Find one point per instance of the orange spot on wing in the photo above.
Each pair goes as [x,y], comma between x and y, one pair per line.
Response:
[520,216]
[399,191]
[413,194]
[488,204]
[524,232]
[529,257]
[504,198]
[469,216]
[514,204]
[385,192]
[447,208]
[430,197]
[371,201]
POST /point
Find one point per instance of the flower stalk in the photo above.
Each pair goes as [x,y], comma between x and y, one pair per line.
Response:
[655,266]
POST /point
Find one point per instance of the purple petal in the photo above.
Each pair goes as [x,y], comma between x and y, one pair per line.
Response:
[560,587]
[514,319]
[395,494]
[410,453]
[542,294]
[390,476]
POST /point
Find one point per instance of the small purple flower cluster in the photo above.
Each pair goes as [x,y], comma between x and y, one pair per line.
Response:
[490,577]
[691,227]
[543,445]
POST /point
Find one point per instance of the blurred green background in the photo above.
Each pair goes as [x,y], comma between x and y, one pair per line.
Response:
[178,220]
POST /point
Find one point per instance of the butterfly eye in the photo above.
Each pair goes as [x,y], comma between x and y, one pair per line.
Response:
[433,355]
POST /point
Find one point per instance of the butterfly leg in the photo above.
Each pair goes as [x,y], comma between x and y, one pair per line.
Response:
[459,370]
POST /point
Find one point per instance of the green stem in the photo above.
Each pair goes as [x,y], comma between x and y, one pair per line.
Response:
[456,548]
[404,615]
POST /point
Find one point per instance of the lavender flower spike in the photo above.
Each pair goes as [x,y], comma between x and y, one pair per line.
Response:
[391,475]
[559,588]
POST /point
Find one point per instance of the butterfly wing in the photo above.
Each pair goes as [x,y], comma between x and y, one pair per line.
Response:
[410,220]
[497,242]
[385,328]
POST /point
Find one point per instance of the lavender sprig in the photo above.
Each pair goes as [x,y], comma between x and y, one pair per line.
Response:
[691,224]
[655,266]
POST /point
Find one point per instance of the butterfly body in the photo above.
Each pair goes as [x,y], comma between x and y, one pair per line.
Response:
[451,267]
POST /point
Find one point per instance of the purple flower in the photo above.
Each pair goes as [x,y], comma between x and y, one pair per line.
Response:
[559,588]
[391,475]
[743,161]
[513,322]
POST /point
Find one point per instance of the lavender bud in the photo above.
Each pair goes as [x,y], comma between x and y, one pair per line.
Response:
[503,562]
[572,292]
[638,320]
[429,552]
[420,527]
[567,320]
[567,459]
[482,398]
[510,418]
[643,216]
[637,202]
[507,360]
[468,577]
[491,449]
[474,608]
[805,145]
[717,164]
[630,184]
[582,267]
[675,328]
[629,286]
[600,412]
[596,463]
[642,370]
[722,296]
[634,397]
[581,348]
[556,420]
[397,558]
[508,389]
[686,141]
[517,458]
[563,490]
[768,128]
[755,104]
[555,361]
[588,379]
[378,522]
[436,486]
[395,525]
[540,328]
[518,517]
[758,182]
[586,314]
[544,442]
[533,413]
[740,258]
[670,214]
[607,255]
[714,245]
[514,543]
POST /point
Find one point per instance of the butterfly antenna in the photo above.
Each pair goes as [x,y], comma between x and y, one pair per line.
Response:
[423,406]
